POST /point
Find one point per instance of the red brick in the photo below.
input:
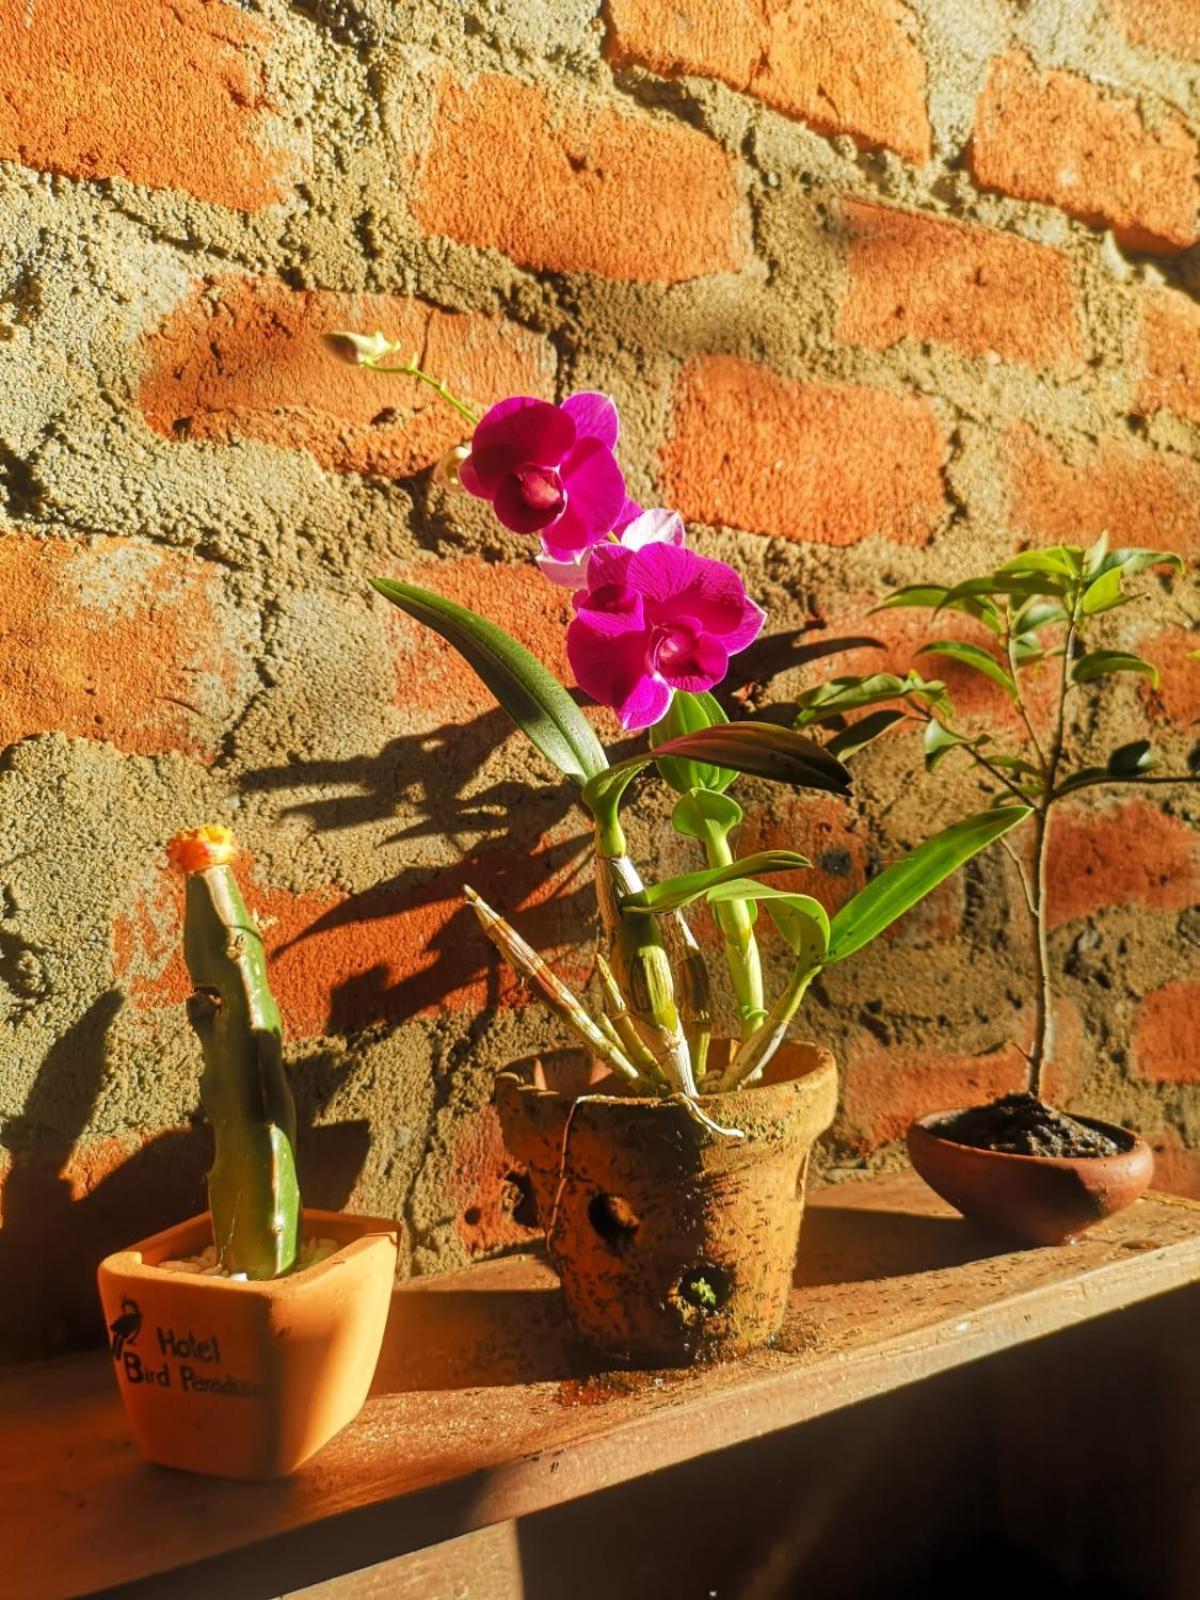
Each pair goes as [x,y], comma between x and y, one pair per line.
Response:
[804,59]
[1176,1168]
[1170,26]
[819,462]
[247,359]
[1168,356]
[1177,698]
[1138,495]
[341,963]
[575,186]
[1128,853]
[916,277]
[166,93]
[1166,1034]
[819,827]
[887,1087]
[1059,138]
[75,620]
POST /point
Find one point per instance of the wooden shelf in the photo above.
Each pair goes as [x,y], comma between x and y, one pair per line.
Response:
[482,1412]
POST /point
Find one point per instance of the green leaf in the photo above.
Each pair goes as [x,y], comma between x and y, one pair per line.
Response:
[702,810]
[1059,561]
[689,713]
[839,695]
[974,656]
[1037,614]
[1104,593]
[760,749]
[1131,561]
[674,893]
[937,743]
[1128,759]
[899,887]
[864,732]
[934,597]
[1017,585]
[1102,663]
[537,702]
[802,921]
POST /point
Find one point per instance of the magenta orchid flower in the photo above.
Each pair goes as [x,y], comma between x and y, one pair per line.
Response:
[550,470]
[644,527]
[655,620]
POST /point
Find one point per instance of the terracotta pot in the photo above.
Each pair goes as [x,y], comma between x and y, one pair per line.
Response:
[1031,1199]
[247,1380]
[671,1242]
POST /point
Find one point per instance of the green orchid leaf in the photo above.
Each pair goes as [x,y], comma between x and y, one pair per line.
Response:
[938,741]
[899,887]
[1103,663]
[803,921]
[839,695]
[675,893]
[701,811]
[690,713]
[934,597]
[760,749]
[864,732]
[536,702]
[974,656]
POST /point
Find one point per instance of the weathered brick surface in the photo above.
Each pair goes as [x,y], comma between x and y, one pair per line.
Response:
[114,640]
[1167,361]
[1059,138]
[1127,853]
[981,292]
[821,462]
[576,186]
[1166,1034]
[166,93]
[1172,26]
[804,59]
[1138,495]
[1177,698]
[249,358]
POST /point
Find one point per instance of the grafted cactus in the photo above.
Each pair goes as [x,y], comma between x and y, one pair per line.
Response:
[252,1189]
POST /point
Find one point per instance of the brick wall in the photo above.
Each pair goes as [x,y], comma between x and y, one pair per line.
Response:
[883,290]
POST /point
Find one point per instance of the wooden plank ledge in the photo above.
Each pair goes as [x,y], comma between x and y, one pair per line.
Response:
[482,1411]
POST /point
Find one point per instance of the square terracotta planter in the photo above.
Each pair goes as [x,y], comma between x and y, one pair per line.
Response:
[247,1380]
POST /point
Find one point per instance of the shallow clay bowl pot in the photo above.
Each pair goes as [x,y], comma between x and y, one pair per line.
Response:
[247,1380]
[673,1243]
[1031,1199]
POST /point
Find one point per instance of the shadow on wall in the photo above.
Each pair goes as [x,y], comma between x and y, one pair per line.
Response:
[52,1238]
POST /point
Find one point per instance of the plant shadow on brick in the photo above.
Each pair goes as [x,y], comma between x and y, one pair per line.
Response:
[1018,1164]
[50,1302]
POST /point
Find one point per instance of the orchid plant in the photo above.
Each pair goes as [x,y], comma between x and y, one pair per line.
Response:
[655,625]
[1036,613]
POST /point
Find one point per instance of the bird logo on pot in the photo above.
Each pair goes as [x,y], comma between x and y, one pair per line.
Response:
[126,1327]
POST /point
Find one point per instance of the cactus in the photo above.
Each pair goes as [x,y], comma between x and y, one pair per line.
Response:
[252,1189]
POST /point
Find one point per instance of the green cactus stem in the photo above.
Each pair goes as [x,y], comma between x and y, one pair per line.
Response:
[252,1189]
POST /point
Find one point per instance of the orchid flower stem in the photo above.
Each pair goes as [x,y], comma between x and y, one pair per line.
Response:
[750,1060]
[412,370]
[737,930]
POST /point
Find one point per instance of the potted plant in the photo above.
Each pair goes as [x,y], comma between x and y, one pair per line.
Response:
[245,1338]
[1018,1165]
[671,1192]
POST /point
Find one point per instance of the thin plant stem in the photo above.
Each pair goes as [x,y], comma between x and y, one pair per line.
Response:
[412,370]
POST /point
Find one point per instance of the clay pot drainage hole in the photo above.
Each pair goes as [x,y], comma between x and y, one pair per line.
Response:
[705,1287]
[614,1219]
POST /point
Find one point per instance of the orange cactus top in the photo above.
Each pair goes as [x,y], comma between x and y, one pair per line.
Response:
[197,849]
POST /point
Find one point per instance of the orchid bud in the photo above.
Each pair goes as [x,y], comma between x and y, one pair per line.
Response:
[446,471]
